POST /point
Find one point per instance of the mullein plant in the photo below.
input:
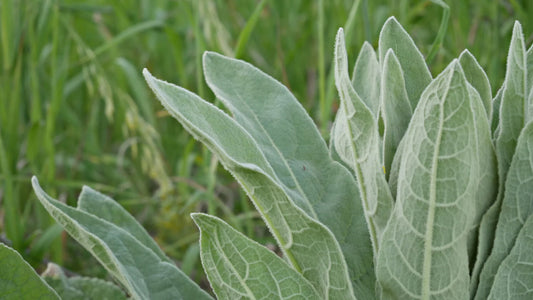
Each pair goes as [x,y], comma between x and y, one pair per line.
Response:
[423,193]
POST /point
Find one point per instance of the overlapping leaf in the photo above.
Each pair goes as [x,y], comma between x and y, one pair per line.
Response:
[144,274]
[366,78]
[397,109]
[357,142]
[416,73]
[477,77]
[514,280]
[294,149]
[240,268]
[424,250]
[512,115]
[308,245]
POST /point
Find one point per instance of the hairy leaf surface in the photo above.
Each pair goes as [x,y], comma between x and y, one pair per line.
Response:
[417,76]
[366,78]
[477,77]
[514,280]
[357,142]
[137,267]
[100,205]
[298,155]
[240,268]
[308,245]
[424,249]
[396,108]
[512,115]
[516,207]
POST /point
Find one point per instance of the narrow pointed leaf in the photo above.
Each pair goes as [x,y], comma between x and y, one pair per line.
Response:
[516,208]
[18,281]
[494,121]
[396,108]
[298,155]
[478,79]
[303,240]
[366,77]
[424,250]
[357,142]
[80,288]
[417,76]
[95,203]
[514,280]
[137,267]
[239,268]
[512,117]
[512,108]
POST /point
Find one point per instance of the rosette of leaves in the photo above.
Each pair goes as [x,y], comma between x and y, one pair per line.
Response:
[423,193]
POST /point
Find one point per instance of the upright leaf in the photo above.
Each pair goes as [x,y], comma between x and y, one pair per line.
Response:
[511,119]
[18,281]
[366,77]
[357,142]
[516,208]
[396,108]
[424,250]
[416,72]
[478,79]
[302,239]
[529,81]
[294,149]
[513,106]
[514,280]
[239,268]
[97,204]
[137,267]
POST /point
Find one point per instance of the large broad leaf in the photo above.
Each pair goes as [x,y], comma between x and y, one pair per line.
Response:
[366,77]
[18,281]
[357,142]
[416,72]
[478,79]
[303,240]
[239,268]
[424,251]
[100,205]
[516,208]
[396,107]
[514,280]
[512,115]
[144,274]
[80,288]
[293,147]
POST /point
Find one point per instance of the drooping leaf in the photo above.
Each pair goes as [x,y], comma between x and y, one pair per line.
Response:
[424,250]
[144,274]
[478,79]
[514,280]
[302,239]
[357,142]
[417,76]
[396,107]
[298,155]
[516,208]
[240,268]
[18,281]
[366,78]
[97,204]
[80,288]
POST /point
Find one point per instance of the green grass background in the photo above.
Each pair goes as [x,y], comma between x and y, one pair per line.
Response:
[75,110]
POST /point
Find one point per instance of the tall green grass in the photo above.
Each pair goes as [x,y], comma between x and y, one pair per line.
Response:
[74,109]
